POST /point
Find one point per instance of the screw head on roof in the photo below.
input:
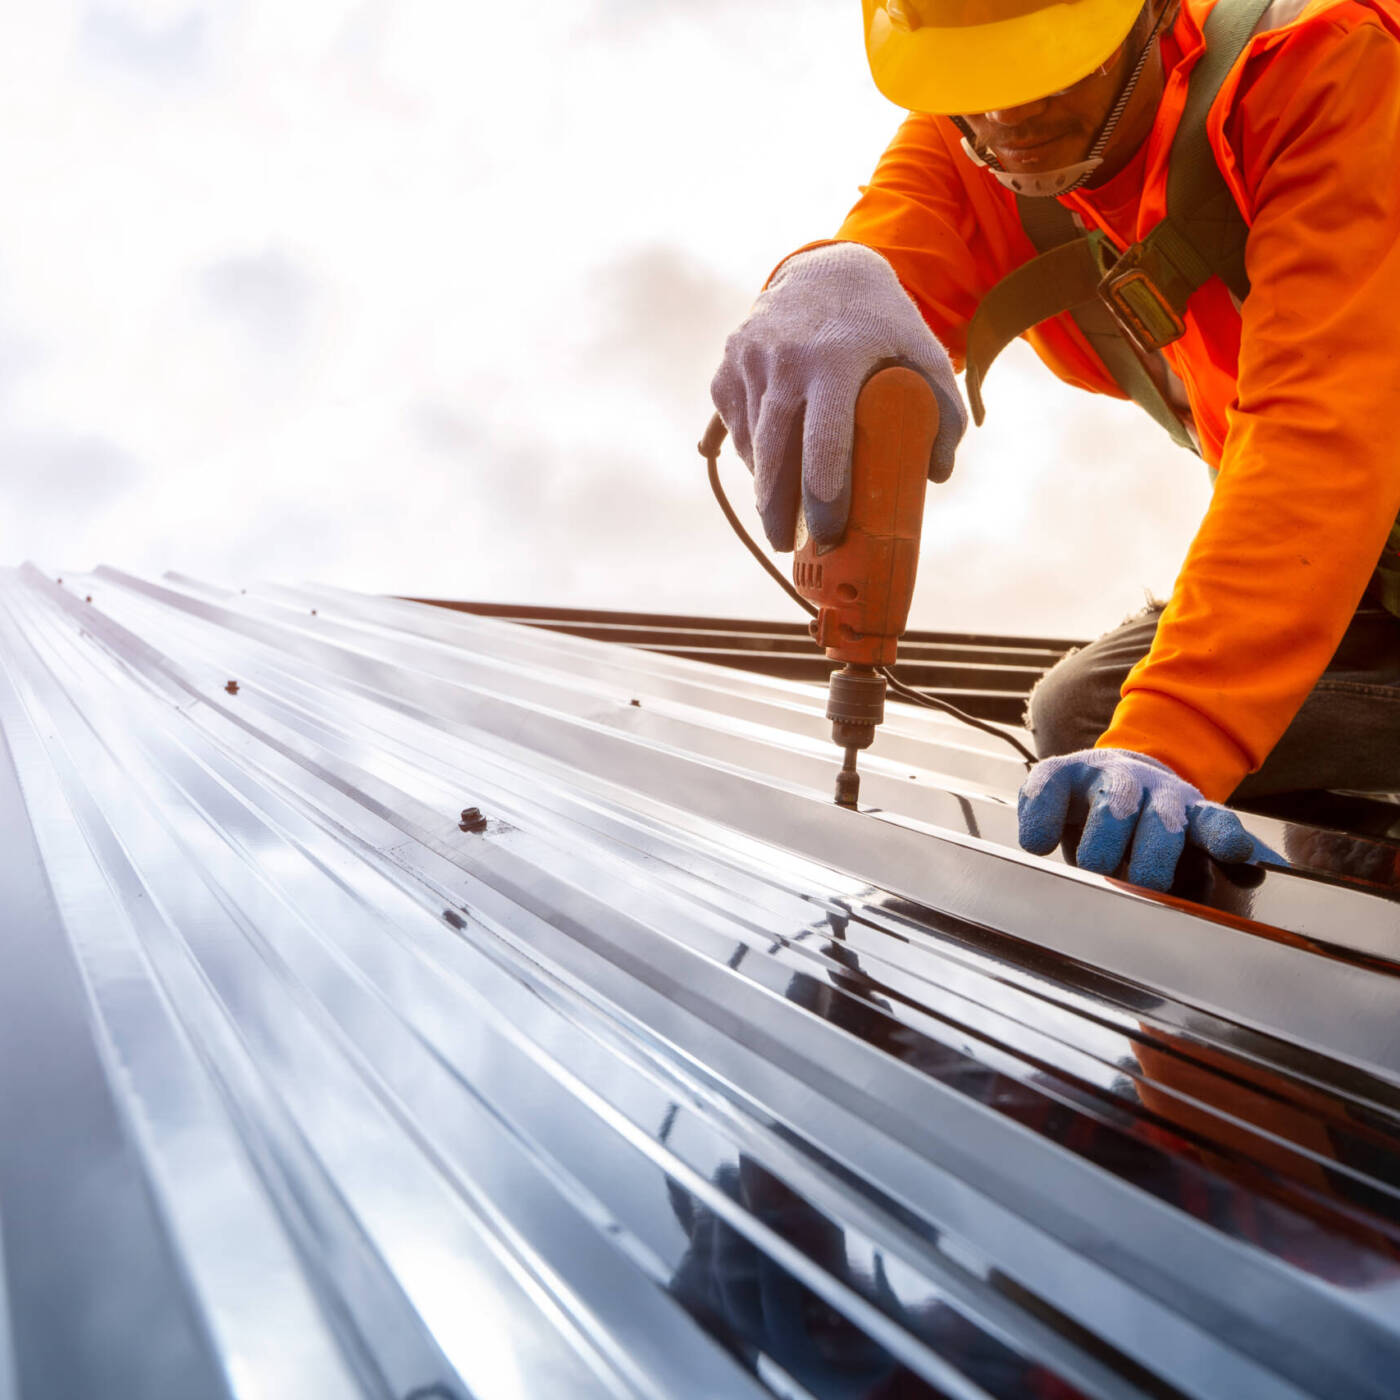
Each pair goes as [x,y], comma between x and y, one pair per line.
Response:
[637,703]
[232,687]
[313,612]
[472,820]
[88,599]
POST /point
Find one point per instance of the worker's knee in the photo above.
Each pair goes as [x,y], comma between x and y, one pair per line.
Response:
[1064,708]
[1073,702]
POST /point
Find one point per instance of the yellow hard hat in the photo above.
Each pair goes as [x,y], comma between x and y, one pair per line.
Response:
[968,56]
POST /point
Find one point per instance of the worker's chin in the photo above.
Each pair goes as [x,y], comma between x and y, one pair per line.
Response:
[1036,160]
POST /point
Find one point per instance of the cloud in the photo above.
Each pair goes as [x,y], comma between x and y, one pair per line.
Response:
[267,295]
[80,476]
[446,430]
[662,318]
[60,494]
[608,18]
[535,523]
[168,44]
[19,356]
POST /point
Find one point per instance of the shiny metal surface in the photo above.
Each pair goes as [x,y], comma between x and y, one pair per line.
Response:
[985,676]
[671,1080]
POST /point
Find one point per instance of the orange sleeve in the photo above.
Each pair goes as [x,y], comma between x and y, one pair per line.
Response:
[1309,480]
[948,239]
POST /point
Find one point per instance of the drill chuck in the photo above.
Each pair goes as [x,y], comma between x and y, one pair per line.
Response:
[855,705]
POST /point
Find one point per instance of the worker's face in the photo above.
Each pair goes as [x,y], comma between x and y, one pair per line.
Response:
[1056,131]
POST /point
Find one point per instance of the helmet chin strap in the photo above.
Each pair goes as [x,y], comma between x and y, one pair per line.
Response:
[1047,184]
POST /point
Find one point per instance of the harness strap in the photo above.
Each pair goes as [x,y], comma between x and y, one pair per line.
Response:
[1204,230]
[1073,267]
[1066,274]
[1144,292]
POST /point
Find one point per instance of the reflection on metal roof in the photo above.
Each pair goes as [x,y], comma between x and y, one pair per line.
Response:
[662,1076]
[983,675]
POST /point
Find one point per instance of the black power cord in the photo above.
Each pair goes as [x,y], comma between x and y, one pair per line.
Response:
[710,446]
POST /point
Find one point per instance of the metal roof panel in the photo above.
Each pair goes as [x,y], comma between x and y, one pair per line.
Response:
[667,1078]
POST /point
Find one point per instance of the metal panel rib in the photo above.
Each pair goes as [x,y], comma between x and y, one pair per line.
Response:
[95,1299]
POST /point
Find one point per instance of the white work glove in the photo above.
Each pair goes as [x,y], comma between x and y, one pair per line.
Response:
[793,369]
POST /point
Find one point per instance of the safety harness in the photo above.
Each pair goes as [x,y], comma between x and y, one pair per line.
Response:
[1129,305]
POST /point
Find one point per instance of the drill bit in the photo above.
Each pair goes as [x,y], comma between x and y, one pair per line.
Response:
[855,704]
[848,780]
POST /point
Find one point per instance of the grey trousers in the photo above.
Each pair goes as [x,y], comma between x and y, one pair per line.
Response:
[1346,735]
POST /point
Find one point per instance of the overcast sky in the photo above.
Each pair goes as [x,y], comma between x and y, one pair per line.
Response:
[424,296]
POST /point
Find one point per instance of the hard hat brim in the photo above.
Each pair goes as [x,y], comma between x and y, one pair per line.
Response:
[971,68]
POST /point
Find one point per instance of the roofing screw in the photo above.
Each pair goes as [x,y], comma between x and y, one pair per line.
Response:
[637,703]
[313,612]
[88,599]
[232,687]
[472,820]
[60,582]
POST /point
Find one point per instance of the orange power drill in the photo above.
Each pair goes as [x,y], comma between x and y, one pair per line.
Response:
[863,585]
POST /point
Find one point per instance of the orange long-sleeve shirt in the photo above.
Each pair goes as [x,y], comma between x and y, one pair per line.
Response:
[1296,398]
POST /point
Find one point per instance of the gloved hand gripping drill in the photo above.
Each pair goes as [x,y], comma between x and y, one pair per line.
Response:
[834,382]
[792,392]
[787,388]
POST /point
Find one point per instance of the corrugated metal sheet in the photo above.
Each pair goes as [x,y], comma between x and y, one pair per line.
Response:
[987,676]
[671,1080]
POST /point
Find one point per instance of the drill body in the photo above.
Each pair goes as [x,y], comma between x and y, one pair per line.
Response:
[862,587]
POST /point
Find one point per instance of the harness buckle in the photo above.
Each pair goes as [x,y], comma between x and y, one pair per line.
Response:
[1140,304]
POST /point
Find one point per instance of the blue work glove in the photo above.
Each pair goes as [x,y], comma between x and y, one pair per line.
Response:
[1122,797]
[787,389]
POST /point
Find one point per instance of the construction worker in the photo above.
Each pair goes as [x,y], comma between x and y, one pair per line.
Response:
[1195,204]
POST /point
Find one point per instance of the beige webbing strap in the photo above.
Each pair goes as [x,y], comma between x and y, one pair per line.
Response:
[1064,276]
[1204,231]
[1046,219]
